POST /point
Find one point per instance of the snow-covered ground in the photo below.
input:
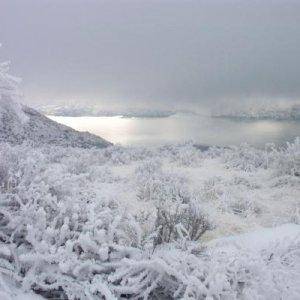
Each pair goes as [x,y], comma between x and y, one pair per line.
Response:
[117,222]
[10,291]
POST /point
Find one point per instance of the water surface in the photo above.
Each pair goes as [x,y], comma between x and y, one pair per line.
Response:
[184,127]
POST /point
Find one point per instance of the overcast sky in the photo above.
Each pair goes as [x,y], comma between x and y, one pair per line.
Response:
[157,52]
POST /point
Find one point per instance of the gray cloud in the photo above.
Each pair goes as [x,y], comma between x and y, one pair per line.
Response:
[161,52]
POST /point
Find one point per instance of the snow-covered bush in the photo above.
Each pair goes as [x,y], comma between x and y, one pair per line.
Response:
[232,269]
[287,161]
[283,160]
[55,232]
[159,186]
[179,221]
[186,154]
[245,157]
[9,95]
[178,213]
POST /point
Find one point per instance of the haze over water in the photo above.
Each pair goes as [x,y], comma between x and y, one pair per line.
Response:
[184,127]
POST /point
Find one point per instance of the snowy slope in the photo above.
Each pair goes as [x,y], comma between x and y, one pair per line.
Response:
[20,123]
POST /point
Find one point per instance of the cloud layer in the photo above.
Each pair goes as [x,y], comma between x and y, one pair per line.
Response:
[153,52]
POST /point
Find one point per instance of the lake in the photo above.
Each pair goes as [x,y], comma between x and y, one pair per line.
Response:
[184,127]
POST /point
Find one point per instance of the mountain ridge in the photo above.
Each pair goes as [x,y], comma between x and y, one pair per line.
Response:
[20,123]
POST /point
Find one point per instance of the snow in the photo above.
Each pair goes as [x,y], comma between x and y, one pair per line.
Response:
[262,237]
[9,291]
[269,254]
[96,211]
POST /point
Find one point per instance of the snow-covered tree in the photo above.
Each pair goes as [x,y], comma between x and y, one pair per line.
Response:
[9,94]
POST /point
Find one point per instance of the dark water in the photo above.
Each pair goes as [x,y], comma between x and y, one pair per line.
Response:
[183,127]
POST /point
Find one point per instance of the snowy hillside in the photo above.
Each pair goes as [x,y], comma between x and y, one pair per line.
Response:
[27,125]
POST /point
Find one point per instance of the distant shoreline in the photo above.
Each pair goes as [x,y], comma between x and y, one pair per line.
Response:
[257,118]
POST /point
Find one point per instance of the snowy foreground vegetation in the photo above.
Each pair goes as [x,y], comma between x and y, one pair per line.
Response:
[149,223]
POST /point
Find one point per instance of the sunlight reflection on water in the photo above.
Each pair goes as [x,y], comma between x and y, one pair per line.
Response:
[183,127]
